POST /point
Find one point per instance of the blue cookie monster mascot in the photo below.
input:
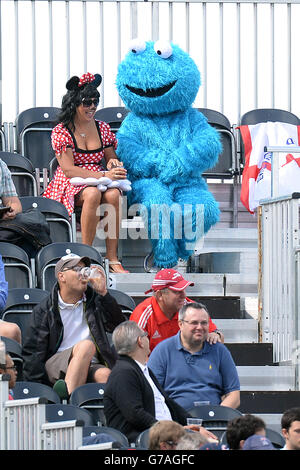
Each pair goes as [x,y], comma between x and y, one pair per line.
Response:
[166,145]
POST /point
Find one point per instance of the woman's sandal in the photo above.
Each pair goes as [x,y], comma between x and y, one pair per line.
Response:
[113,271]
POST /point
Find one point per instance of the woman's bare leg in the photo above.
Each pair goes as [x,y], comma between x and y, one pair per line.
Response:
[111,197]
[89,199]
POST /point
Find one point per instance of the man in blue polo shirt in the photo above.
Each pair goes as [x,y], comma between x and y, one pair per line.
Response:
[190,369]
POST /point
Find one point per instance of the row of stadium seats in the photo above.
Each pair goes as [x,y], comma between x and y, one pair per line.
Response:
[32,131]
[86,404]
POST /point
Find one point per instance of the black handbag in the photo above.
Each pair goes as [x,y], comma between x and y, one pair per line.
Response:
[30,226]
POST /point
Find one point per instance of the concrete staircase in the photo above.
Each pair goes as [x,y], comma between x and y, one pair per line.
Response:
[225,273]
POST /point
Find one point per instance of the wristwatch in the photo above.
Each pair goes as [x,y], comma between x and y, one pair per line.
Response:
[218,332]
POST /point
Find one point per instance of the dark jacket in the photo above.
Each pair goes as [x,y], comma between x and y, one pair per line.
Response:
[45,331]
[129,400]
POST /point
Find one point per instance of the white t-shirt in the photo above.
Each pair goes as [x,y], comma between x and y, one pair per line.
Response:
[161,409]
[75,326]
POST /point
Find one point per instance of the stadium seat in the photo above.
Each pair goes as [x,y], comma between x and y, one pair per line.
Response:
[255,116]
[214,417]
[65,412]
[48,256]
[33,129]
[276,438]
[142,440]
[19,305]
[16,265]
[14,349]
[90,396]
[116,435]
[125,301]
[22,173]
[24,389]
[227,166]
[61,229]
[113,116]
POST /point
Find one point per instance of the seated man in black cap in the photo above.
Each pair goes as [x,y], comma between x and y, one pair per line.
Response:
[66,342]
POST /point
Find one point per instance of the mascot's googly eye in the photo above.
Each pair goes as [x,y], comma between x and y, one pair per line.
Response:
[163,49]
[137,46]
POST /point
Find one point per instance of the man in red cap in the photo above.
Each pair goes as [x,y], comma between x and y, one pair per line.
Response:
[158,314]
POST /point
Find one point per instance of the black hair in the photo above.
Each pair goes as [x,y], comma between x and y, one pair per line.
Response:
[241,428]
[289,416]
[74,96]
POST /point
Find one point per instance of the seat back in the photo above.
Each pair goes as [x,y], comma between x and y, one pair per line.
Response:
[214,417]
[90,396]
[116,435]
[24,389]
[113,116]
[226,167]
[22,173]
[61,229]
[33,129]
[48,256]
[19,306]
[16,266]
[276,438]
[14,349]
[65,412]
[142,440]
[124,300]
[255,116]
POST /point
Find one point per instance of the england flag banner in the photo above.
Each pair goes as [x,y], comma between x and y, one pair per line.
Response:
[256,182]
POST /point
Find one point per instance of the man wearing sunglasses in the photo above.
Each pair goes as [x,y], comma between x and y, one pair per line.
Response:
[190,369]
[66,343]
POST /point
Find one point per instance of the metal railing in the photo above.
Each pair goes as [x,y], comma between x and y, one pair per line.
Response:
[246,51]
[23,425]
[279,288]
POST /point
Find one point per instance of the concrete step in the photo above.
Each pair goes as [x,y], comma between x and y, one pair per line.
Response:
[228,240]
[267,378]
[234,285]
[272,420]
[238,331]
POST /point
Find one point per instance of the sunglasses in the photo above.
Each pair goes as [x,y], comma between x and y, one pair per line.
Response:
[88,102]
[77,269]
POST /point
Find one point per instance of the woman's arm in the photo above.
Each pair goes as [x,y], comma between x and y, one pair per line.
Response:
[66,162]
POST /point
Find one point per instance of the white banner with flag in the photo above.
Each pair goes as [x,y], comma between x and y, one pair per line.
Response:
[256,182]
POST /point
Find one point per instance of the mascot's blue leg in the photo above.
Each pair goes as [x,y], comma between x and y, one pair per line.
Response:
[200,212]
[155,199]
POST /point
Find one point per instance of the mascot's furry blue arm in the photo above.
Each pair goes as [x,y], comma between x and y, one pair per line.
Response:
[166,145]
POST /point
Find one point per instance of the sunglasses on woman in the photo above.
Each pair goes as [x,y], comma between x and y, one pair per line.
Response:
[88,102]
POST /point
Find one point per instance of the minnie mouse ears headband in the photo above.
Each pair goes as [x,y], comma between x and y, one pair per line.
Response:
[75,83]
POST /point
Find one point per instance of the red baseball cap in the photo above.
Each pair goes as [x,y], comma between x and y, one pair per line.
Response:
[169,278]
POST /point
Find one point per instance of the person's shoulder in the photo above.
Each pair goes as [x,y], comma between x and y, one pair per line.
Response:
[140,308]
[60,129]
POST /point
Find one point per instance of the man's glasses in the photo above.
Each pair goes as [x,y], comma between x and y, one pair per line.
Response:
[77,269]
[87,102]
[196,323]
[12,367]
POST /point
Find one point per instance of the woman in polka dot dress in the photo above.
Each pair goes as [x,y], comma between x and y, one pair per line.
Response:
[85,147]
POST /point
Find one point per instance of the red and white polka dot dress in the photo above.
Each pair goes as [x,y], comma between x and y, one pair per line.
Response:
[60,189]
